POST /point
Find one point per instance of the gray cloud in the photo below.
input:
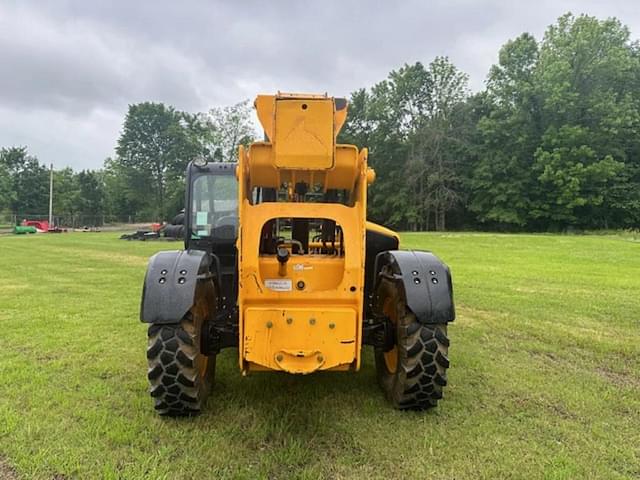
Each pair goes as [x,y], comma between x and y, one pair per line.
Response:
[69,69]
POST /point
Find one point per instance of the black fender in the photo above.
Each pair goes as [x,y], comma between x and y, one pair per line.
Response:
[170,284]
[424,280]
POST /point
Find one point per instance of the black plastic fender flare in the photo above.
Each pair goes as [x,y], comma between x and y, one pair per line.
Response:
[424,280]
[170,284]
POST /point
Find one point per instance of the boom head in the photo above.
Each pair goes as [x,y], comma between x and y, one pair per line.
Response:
[301,132]
[302,128]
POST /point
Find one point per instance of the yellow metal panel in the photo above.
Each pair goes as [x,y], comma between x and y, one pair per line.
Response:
[382,230]
[265,105]
[264,173]
[300,340]
[304,138]
[301,149]
[318,272]
[340,115]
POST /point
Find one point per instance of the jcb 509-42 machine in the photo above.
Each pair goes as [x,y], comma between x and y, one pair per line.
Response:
[281,263]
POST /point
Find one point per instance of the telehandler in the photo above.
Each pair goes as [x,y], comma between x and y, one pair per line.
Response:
[281,263]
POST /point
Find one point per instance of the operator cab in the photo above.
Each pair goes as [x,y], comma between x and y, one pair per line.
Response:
[211,220]
[212,203]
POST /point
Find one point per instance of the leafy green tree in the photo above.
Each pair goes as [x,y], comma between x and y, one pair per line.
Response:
[223,129]
[91,194]
[125,189]
[156,143]
[404,120]
[436,147]
[571,175]
[559,145]
[66,192]
[7,193]
[383,119]
[588,69]
[29,181]
[508,136]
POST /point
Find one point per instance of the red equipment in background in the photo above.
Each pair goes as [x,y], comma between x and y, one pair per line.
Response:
[42,226]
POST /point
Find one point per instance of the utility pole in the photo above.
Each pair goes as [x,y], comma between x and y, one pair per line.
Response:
[51,196]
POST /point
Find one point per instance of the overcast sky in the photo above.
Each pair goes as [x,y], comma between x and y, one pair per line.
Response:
[68,69]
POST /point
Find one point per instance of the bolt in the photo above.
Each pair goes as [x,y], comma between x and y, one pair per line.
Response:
[163,272]
[416,281]
[434,280]
[183,272]
[320,359]
[181,280]
[289,320]
[269,324]
[312,321]
[279,358]
[332,325]
[162,280]
[432,272]
[414,273]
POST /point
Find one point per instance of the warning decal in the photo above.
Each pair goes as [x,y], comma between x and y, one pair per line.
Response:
[278,284]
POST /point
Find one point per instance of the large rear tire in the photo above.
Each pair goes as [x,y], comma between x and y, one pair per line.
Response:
[414,372]
[180,376]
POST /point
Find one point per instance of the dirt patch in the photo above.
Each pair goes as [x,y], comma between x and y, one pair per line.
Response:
[556,408]
[548,356]
[618,378]
[7,472]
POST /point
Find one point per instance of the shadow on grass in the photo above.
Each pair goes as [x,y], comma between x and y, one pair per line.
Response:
[318,424]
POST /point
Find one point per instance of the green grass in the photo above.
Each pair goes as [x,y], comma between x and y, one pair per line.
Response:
[544,381]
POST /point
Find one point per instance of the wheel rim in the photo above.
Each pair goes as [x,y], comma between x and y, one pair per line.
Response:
[390,357]
[200,313]
[204,363]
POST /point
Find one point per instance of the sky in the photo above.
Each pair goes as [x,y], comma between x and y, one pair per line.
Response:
[69,69]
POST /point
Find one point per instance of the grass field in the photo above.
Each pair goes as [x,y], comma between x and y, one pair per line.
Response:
[544,381]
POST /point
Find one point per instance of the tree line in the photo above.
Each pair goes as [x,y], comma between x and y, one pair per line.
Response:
[144,181]
[552,142]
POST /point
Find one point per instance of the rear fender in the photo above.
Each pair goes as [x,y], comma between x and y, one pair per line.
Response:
[423,279]
[170,284]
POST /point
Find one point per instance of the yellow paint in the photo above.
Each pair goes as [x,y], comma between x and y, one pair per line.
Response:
[382,230]
[304,137]
[300,340]
[301,148]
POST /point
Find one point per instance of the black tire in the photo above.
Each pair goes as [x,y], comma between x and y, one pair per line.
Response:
[180,376]
[420,355]
[178,219]
[173,231]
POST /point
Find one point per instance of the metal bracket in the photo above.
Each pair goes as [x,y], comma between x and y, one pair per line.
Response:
[379,333]
[221,332]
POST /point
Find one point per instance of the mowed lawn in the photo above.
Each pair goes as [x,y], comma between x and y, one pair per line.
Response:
[544,379]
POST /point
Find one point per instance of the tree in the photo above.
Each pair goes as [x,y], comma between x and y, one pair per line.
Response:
[508,135]
[404,120]
[7,193]
[124,191]
[66,192]
[436,146]
[588,71]
[560,143]
[29,181]
[224,129]
[91,194]
[157,143]
[383,119]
